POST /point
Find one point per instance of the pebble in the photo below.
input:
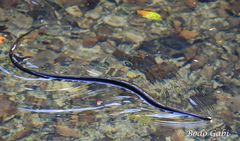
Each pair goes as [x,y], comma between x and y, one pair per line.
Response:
[166,46]
[174,43]
[90,4]
[8,108]
[237,71]
[21,133]
[161,71]
[74,11]
[121,55]
[103,32]
[95,13]
[66,131]
[198,62]
[3,15]
[44,57]
[208,72]
[161,133]
[234,8]
[137,22]
[178,135]
[226,115]
[191,3]
[87,117]
[134,37]
[22,20]
[63,60]
[107,47]
[85,23]
[94,73]
[8,3]
[89,42]
[190,52]
[177,24]
[131,74]
[235,107]
[148,66]
[115,21]
[187,34]
[35,101]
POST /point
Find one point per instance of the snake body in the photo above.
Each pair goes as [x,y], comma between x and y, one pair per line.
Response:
[118,83]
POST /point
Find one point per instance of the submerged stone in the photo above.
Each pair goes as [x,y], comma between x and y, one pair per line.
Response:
[91,4]
[115,21]
[9,3]
[233,8]
[166,46]
[170,42]
[161,71]
[174,43]
[8,108]
[148,66]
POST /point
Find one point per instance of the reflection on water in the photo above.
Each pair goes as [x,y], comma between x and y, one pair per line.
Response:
[65,101]
[189,59]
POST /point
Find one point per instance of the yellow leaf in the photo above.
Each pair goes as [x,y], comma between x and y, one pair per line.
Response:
[149,15]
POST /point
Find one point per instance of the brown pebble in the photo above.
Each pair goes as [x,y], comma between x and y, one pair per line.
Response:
[87,117]
[121,55]
[63,59]
[191,3]
[43,85]
[8,3]
[234,103]
[164,132]
[42,57]
[226,115]
[190,52]
[187,34]
[198,62]
[89,42]
[111,71]
[8,108]
[66,131]
[161,71]
[208,72]
[74,119]
[178,135]
[177,25]
[233,8]
[103,33]
[34,100]
[22,133]
[108,47]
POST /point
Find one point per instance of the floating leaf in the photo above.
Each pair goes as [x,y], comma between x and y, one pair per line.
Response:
[149,15]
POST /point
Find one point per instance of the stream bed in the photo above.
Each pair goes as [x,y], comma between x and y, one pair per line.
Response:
[183,53]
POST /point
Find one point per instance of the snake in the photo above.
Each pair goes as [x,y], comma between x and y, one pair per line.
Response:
[108,81]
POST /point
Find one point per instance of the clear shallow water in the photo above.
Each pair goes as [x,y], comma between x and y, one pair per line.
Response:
[50,110]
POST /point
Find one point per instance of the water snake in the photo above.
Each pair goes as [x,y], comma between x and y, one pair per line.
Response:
[118,83]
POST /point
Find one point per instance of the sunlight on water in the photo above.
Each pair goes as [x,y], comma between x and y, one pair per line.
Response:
[184,54]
